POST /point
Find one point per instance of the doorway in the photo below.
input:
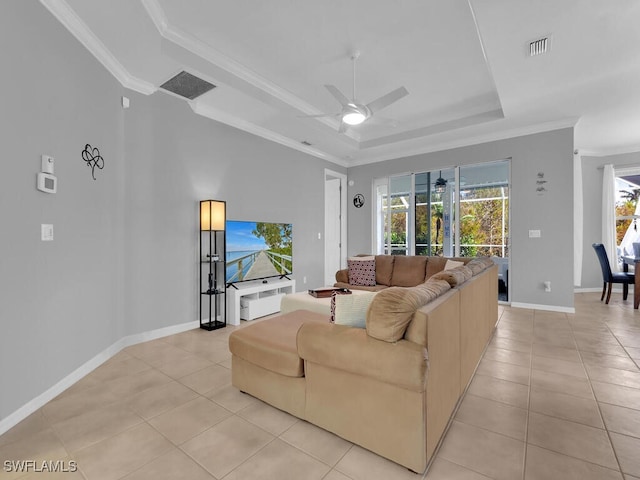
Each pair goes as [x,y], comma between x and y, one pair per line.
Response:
[335,224]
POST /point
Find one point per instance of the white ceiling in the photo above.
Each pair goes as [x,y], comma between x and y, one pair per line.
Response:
[465,64]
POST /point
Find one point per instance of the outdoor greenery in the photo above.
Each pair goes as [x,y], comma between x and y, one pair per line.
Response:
[481,223]
[625,207]
[278,237]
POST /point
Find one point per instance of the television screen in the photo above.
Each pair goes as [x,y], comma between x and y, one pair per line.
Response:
[258,250]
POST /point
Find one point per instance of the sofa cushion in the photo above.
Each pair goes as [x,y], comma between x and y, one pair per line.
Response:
[417,331]
[408,271]
[350,310]
[362,271]
[384,269]
[333,346]
[455,276]
[435,265]
[479,264]
[271,344]
[393,308]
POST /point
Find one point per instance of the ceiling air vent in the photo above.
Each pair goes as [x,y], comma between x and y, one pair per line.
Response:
[187,85]
[540,46]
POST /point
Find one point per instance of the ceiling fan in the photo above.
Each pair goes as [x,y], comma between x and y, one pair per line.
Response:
[355,113]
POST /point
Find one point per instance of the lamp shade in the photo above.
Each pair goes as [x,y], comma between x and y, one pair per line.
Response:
[213,214]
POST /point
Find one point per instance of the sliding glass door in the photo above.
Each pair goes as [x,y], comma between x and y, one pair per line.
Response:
[461,211]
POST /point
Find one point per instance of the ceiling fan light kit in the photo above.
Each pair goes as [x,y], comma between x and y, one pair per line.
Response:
[354,115]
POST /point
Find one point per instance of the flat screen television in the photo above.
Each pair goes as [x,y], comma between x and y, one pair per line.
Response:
[258,250]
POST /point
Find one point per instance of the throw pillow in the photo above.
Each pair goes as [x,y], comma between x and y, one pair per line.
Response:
[333,303]
[452,264]
[351,310]
[391,311]
[476,266]
[455,276]
[408,270]
[362,271]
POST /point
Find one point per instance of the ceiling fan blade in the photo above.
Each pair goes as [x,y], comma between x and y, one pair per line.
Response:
[338,95]
[387,99]
[383,121]
[320,115]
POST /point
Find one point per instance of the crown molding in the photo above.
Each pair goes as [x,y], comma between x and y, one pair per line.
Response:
[210,54]
[466,142]
[607,152]
[241,124]
[72,22]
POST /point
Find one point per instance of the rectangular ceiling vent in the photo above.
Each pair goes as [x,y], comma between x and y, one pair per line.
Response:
[187,85]
[539,47]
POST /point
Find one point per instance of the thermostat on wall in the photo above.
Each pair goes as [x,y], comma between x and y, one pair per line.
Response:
[47,183]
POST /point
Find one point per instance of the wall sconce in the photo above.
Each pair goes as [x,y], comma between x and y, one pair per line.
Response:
[213,215]
[441,184]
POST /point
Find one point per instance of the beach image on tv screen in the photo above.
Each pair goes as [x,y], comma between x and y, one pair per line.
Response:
[258,250]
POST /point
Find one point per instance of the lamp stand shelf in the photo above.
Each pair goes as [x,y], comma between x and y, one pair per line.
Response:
[213,244]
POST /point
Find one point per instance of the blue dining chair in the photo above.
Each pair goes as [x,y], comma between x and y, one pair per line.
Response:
[625,278]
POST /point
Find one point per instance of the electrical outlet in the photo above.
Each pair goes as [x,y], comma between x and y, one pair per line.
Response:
[304,279]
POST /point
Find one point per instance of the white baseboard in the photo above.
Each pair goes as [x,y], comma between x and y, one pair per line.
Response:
[547,308]
[598,290]
[48,395]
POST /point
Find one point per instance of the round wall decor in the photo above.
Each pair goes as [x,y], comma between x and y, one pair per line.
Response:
[358,200]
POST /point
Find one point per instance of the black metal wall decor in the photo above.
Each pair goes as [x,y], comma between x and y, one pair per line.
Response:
[92,156]
[358,200]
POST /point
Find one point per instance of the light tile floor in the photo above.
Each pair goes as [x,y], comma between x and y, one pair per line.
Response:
[556,396]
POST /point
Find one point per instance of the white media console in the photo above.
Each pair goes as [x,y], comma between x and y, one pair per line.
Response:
[251,300]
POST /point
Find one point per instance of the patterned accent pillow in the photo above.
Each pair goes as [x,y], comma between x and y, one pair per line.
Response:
[362,271]
[333,306]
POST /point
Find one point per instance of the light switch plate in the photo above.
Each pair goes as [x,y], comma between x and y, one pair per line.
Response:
[534,234]
[46,230]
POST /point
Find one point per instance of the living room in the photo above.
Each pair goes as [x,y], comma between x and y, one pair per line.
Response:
[121,267]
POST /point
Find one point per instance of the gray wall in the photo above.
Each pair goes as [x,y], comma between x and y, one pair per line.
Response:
[532,260]
[592,201]
[176,158]
[59,301]
[124,256]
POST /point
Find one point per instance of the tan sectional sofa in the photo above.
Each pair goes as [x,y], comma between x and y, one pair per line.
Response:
[399,271]
[388,388]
